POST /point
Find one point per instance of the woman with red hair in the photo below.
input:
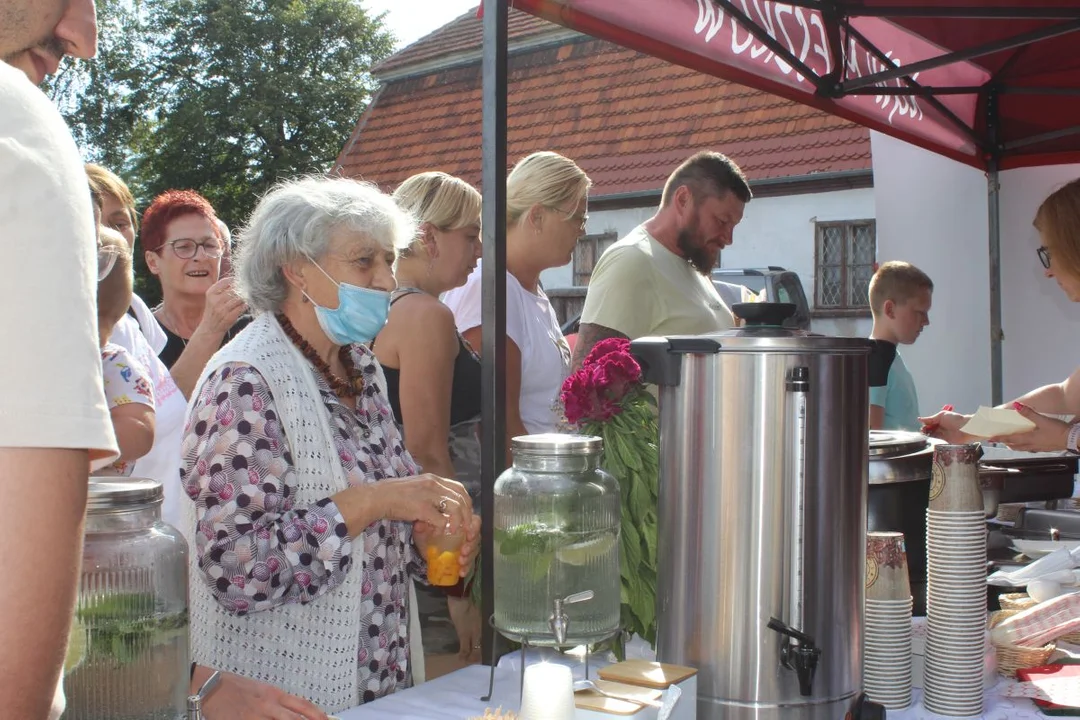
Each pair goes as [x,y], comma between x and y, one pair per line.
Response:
[199,311]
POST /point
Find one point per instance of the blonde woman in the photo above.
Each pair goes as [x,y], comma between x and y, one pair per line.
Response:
[432,374]
[1058,223]
[546,204]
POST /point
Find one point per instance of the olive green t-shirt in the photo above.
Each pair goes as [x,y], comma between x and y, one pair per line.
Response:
[640,288]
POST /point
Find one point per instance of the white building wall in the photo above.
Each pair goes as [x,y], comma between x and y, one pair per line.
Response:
[1041,325]
[774,231]
[932,212]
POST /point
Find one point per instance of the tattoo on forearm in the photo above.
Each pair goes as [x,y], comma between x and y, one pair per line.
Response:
[588,336]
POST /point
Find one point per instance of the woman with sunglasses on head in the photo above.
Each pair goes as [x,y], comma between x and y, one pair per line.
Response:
[199,311]
[547,198]
[1058,223]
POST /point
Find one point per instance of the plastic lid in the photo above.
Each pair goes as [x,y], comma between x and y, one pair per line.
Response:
[557,444]
[113,493]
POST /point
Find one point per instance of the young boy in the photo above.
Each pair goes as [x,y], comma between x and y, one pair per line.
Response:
[900,298]
[128,388]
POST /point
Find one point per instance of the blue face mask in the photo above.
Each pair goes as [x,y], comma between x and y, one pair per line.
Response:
[359,316]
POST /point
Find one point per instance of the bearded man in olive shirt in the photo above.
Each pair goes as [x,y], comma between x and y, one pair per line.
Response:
[656,280]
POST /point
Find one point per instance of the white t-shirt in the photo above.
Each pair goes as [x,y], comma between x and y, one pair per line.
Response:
[532,325]
[162,463]
[640,288]
[51,388]
[144,323]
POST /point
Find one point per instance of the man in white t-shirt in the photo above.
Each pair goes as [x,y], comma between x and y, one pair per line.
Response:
[656,280]
[54,423]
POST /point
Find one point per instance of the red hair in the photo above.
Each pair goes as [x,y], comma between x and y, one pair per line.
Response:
[168,206]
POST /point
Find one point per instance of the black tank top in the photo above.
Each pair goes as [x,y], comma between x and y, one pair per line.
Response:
[465,388]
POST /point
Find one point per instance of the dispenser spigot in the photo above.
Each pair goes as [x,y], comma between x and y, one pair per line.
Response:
[558,621]
[195,702]
[799,654]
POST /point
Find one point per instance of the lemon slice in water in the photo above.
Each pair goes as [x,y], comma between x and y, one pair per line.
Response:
[583,552]
[76,651]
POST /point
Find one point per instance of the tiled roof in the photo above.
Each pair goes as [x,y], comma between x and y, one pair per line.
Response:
[461,35]
[626,118]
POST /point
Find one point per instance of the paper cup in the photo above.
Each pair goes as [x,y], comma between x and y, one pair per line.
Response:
[954,483]
[886,567]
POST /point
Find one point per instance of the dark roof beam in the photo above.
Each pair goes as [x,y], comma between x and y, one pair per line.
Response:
[961,55]
[930,99]
[936,10]
[770,42]
[917,90]
[1042,137]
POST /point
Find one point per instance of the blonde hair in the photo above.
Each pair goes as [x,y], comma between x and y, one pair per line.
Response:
[896,281]
[543,178]
[115,289]
[104,182]
[442,200]
[1058,222]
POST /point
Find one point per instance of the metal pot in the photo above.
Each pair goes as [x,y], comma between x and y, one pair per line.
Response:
[761,556]
[899,471]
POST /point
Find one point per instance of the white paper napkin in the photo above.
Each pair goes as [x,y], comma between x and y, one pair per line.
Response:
[1056,561]
[993,422]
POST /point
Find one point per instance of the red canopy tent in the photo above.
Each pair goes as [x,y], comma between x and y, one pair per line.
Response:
[991,83]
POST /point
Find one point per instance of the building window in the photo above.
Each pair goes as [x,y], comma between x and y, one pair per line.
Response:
[844,264]
[588,251]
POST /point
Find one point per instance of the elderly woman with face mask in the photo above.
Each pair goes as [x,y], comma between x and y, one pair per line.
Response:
[308,510]
[1058,222]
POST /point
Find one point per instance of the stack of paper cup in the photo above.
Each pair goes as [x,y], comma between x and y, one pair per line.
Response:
[548,693]
[956,588]
[887,631]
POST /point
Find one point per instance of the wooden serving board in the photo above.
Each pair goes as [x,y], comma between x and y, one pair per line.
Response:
[647,674]
[591,700]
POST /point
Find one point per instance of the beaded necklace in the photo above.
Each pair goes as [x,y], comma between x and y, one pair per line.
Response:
[343,388]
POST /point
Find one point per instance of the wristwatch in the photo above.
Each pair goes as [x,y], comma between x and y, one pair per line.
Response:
[1073,441]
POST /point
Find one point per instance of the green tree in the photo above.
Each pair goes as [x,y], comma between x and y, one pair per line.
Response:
[249,92]
[225,97]
[103,100]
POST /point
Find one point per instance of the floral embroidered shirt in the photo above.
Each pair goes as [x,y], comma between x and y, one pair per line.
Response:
[257,549]
[126,381]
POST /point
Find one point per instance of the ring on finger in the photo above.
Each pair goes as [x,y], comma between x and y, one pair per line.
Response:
[442,505]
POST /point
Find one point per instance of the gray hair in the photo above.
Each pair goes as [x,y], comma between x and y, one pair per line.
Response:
[295,220]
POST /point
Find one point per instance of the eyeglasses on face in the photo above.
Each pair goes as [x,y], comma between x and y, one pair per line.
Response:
[1044,256]
[186,249]
[571,217]
[106,260]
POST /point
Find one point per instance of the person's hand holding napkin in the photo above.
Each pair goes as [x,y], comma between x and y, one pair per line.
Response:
[1038,433]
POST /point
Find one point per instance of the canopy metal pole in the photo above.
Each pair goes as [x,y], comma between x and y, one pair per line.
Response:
[997,335]
[493,297]
[993,209]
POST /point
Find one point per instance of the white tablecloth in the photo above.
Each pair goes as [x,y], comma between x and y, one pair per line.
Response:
[457,696]
[451,697]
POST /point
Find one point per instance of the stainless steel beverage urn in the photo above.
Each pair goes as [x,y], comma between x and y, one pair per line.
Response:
[763,447]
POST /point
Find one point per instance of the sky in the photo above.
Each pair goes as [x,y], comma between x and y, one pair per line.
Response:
[410,20]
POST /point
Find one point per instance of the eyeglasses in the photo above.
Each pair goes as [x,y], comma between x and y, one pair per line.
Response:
[186,249]
[106,260]
[570,217]
[1044,256]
